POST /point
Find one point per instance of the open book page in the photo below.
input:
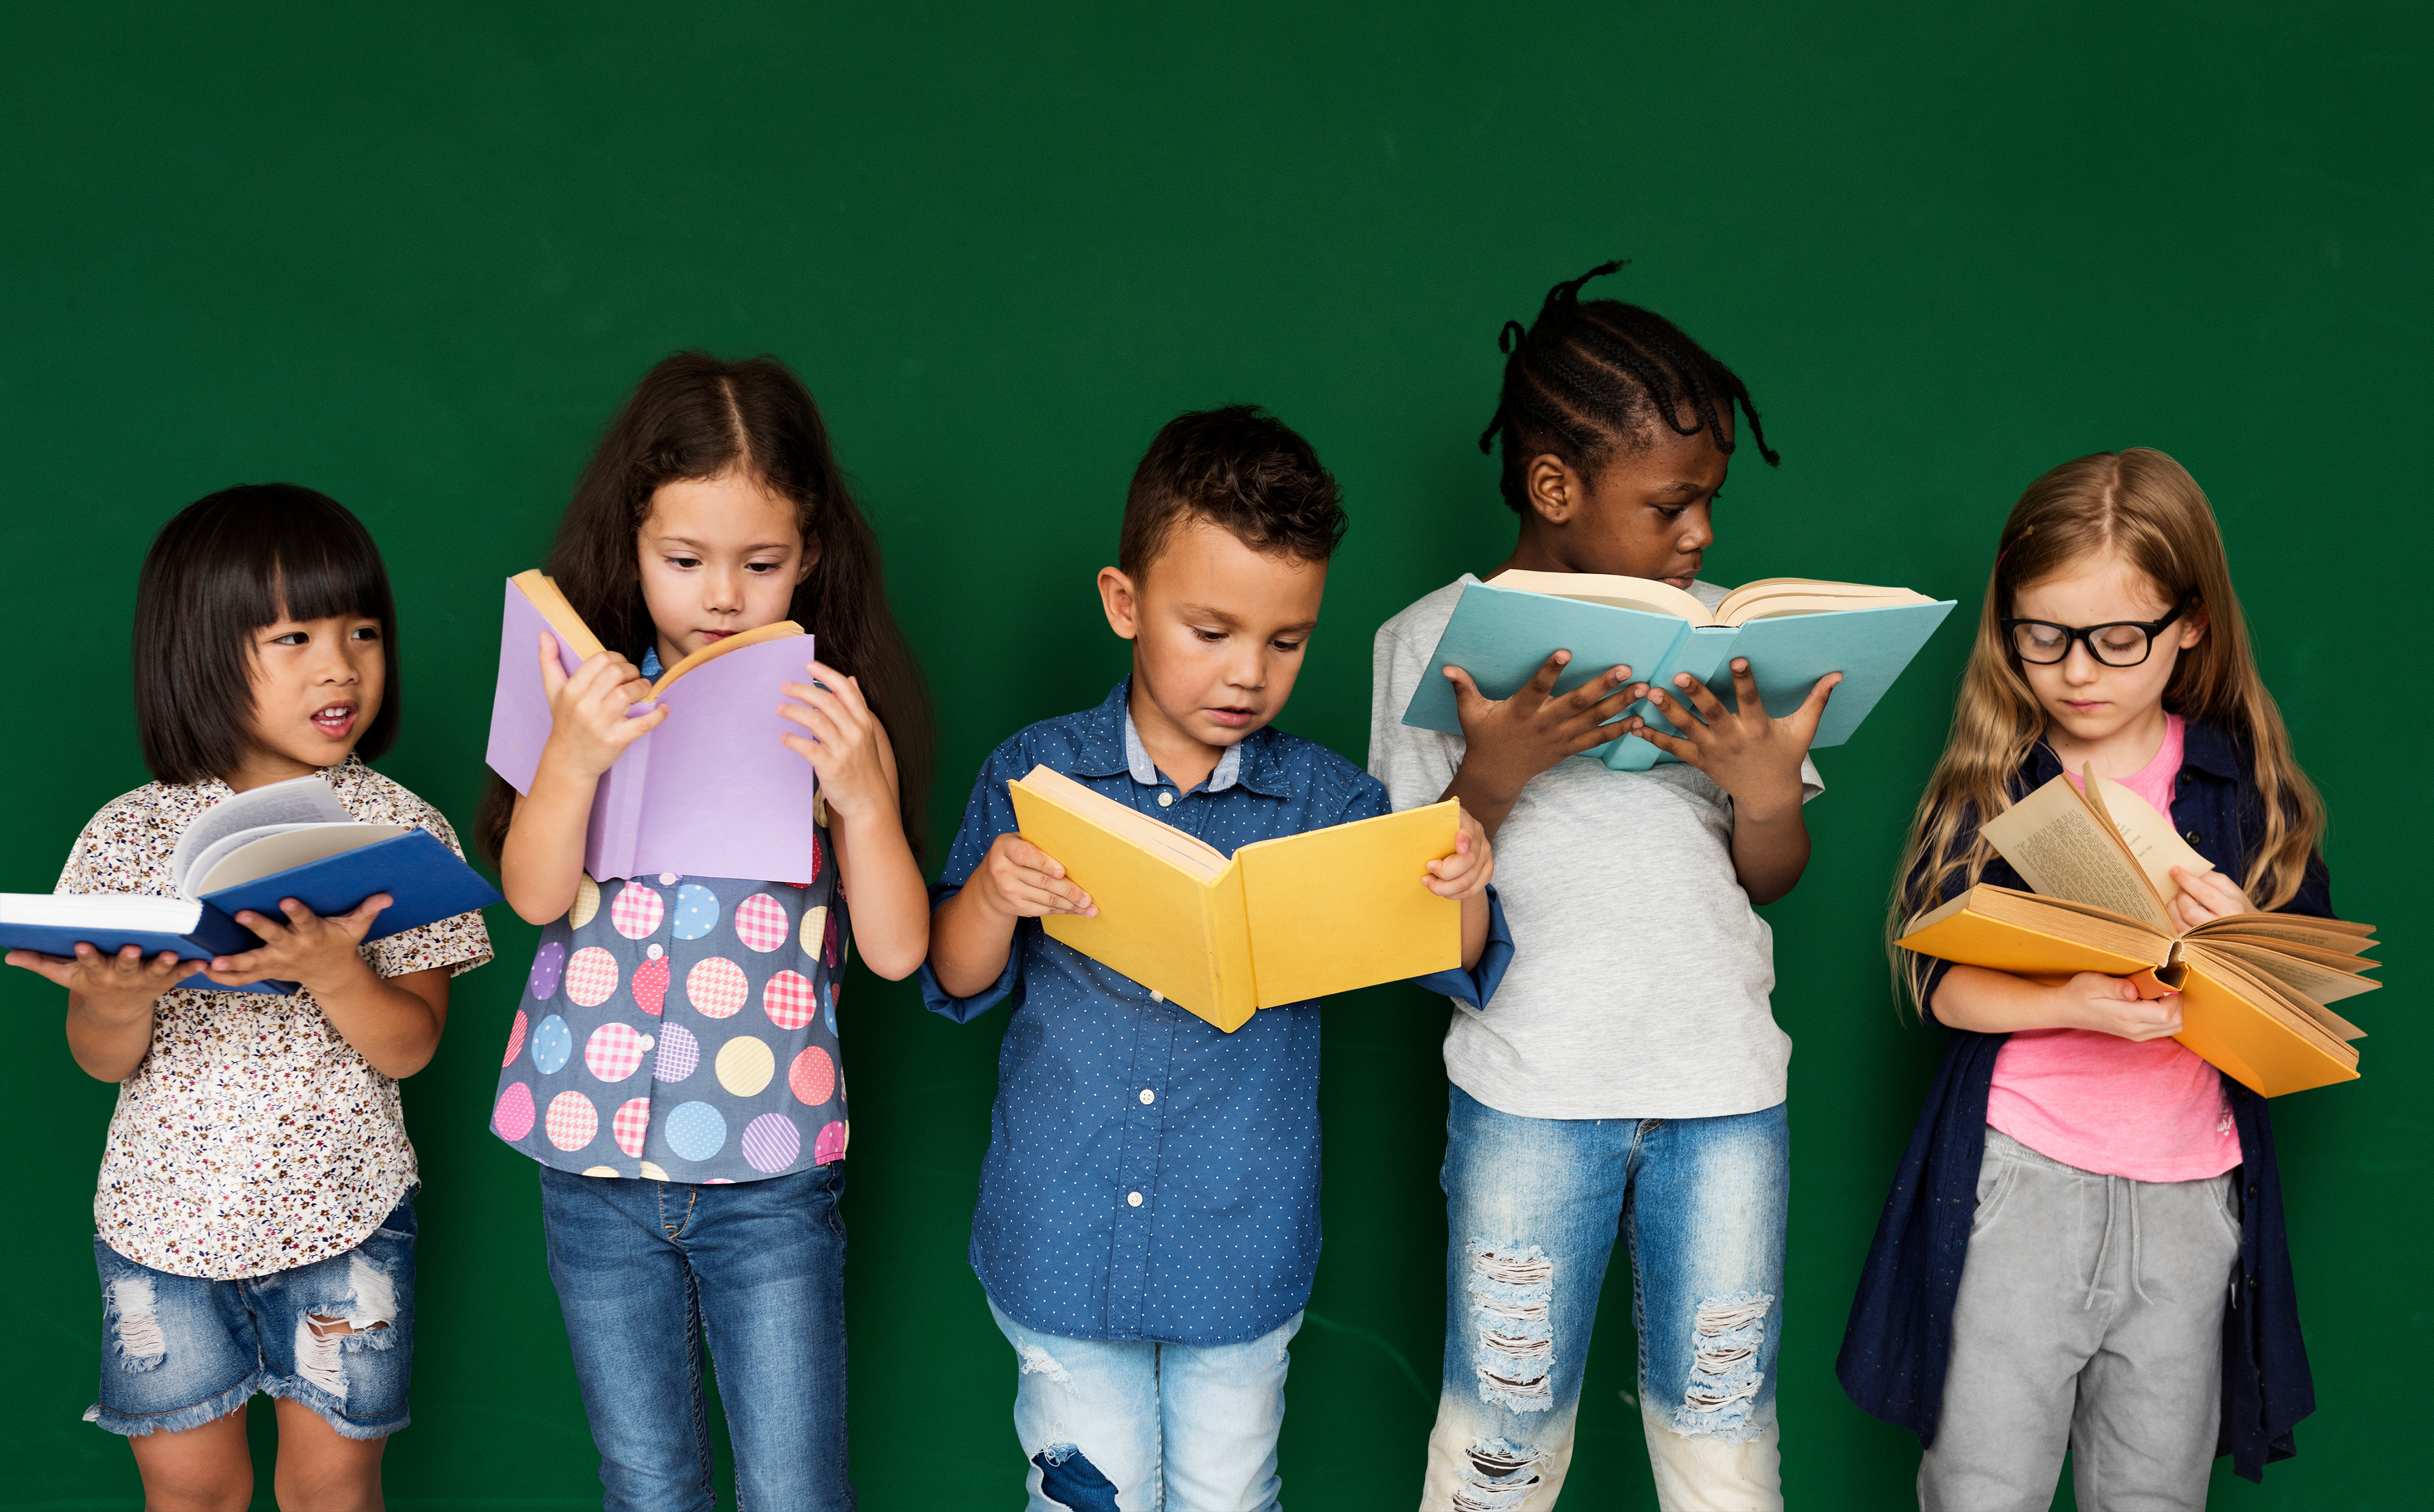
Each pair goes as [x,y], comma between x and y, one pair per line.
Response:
[251,854]
[780,631]
[1190,852]
[572,635]
[1601,587]
[297,801]
[1769,597]
[2149,836]
[2064,849]
[2316,982]
[2336,936]
[2311,1021]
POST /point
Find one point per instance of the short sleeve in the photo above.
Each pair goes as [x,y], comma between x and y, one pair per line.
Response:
[1416,765]
[458,943]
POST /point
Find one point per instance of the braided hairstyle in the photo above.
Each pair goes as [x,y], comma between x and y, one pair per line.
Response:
[1586,378]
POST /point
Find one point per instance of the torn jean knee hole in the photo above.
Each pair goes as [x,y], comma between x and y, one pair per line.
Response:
[1037,1361]
[1068,1477]
[1499,1476]
[1510,1291]
[1728,1332]
[364,1318]
[142,1344]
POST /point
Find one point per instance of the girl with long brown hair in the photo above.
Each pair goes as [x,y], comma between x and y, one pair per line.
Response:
[2083,1251]
[674,1066]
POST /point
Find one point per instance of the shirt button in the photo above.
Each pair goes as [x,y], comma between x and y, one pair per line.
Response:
[1165,799]
[1158,997]
[1132,1200]
[1148,1096]
[2191,836]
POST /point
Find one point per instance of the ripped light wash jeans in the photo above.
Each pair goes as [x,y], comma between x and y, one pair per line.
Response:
[1128,1426]
[1533,1207]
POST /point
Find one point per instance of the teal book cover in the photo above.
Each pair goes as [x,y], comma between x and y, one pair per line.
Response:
[1501,636]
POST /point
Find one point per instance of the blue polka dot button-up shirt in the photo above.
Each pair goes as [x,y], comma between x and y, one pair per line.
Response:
[1148,1176]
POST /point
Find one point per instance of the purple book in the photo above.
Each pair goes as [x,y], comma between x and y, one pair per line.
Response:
[710,792]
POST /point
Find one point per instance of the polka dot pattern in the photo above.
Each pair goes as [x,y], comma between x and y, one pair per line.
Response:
[650,1048]
[512,1119]
[716,988]
[761,922]
[637,911]
[812,1077]
[548,962]
[744,1065]
[771,1142]
[573,1120]
[587,902]
[633,1122]
[615,1051]
[1224,1244]
[650,986]
[790,999]
[696,911]
[550,1044]
[590,977]
[695,1131]
[831,1146]
[679,1054]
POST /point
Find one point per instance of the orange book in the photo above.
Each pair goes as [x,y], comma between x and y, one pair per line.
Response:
[2255,988]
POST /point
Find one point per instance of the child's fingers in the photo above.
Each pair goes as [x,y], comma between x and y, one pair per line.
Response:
[1676,710]
[1030,858]
[59,969]
[1702,698]
[1467,699]
[1542,684]
[1672,746]
[358,920]
[847,690]
[1812,708]
[626,731]
[552,672]
[1605,688]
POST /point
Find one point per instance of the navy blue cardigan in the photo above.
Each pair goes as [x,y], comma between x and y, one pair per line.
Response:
[1899,1340]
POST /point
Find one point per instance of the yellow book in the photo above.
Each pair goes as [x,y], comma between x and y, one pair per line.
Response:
[2253,987]
[1281,921]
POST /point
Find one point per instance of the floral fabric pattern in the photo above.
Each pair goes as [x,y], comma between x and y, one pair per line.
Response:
[254,1138]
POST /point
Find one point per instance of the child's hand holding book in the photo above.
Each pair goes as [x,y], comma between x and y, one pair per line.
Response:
[589,729]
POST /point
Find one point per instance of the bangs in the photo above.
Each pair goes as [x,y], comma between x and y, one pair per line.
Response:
[224,568]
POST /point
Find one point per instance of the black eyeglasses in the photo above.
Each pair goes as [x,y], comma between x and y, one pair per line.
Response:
[2122,643]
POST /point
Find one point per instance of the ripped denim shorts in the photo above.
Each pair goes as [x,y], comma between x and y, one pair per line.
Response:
[336,1335]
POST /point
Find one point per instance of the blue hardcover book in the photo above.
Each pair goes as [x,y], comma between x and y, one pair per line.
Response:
[1793,631]
[289,839]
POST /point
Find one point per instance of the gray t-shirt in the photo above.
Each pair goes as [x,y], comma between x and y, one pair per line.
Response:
[1641,974]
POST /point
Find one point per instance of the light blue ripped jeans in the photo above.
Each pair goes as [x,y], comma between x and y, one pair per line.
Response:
[1120,1426]
[1533,1206]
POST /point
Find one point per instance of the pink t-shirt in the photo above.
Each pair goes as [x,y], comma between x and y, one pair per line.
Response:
[2147,1110]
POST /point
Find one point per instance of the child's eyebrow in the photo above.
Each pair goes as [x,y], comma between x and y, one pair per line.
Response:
[704,547]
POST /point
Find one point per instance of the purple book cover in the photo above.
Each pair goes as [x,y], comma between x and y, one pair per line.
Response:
[710,792]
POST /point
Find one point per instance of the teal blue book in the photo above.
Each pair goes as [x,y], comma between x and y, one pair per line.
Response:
[1793,631]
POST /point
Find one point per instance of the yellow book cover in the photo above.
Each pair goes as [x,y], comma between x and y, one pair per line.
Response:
[1281,921]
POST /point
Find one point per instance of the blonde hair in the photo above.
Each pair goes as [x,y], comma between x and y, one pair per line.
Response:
[2143,507]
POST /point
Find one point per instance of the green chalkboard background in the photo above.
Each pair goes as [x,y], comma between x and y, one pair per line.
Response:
[412,255]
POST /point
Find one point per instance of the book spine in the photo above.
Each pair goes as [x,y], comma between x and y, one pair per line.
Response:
[1700,653]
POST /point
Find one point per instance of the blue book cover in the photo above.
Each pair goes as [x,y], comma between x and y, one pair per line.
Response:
[1502,635]
[427,879]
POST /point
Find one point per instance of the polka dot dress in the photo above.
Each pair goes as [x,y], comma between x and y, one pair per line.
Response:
[681,1028]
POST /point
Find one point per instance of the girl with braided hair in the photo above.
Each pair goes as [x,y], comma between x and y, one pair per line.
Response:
[1597,1099]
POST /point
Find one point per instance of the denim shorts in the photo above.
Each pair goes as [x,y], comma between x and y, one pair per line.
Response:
[336,1335]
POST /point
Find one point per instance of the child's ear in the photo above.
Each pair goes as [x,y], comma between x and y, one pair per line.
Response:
[2194,628]
[1552,488]
[811,558]
[1120,599]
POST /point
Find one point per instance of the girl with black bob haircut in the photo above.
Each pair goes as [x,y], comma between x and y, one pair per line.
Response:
[254,1219]
[714,507]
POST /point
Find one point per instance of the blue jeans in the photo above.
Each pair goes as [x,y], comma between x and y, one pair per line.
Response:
[648,1272]
[336,1335]
[1126,1426]
[1533,1206]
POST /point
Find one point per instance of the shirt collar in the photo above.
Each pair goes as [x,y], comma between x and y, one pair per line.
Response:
[1111,745]
[2205,747]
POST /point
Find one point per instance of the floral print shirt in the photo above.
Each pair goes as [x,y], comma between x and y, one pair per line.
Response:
[683,1028]
[254,1138]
